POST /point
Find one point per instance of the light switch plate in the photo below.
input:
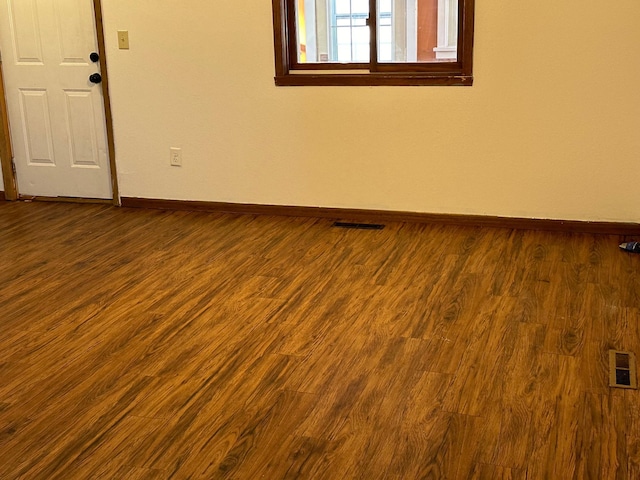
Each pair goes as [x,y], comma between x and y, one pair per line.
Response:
[123,39]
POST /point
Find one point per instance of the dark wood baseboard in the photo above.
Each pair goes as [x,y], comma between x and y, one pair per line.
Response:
[31,198]
[378,216]
[2,197]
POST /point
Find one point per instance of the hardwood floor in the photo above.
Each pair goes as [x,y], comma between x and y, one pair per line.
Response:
[148,344]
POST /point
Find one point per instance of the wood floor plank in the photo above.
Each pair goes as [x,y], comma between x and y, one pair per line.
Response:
[493,472]
[632,430]
[152,344]
[602,438]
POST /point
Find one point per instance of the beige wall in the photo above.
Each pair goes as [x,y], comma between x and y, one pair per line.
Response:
[550,129]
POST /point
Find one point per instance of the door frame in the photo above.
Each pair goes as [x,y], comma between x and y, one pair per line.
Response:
[6,155]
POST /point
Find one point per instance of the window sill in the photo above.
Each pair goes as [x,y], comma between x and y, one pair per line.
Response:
[372,79]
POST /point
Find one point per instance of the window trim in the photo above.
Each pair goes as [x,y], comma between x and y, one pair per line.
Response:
[291,73]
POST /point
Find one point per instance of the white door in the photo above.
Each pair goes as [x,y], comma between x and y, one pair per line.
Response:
[56,113]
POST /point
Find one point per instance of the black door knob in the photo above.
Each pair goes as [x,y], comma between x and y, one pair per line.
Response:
[95,78]
[95,58]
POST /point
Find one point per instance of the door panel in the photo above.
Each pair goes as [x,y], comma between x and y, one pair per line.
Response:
[56,114]
[25,31]
[38,140]
[84,145]
[75,35]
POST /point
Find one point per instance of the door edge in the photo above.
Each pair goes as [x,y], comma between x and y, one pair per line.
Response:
[6,153]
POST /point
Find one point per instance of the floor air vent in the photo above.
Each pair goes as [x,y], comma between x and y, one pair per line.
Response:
[622,370]
[360,226]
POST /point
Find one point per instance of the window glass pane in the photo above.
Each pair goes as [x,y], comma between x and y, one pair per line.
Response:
[361,52]
[361,36]
[385,53]
[385,36]
[343,36]
[332,31]
[409,31]
[343,7]
[415,31]
[344,53]
[360,6]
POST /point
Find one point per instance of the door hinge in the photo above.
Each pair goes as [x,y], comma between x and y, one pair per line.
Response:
[13,167]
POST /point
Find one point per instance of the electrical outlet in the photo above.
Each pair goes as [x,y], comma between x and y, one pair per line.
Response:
[175,156]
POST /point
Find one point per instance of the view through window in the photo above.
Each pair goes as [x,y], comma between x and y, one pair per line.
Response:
[337,31]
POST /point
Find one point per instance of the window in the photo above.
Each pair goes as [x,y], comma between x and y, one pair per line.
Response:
[373,42]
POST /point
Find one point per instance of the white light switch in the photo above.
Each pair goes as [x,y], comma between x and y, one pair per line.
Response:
[123,39]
